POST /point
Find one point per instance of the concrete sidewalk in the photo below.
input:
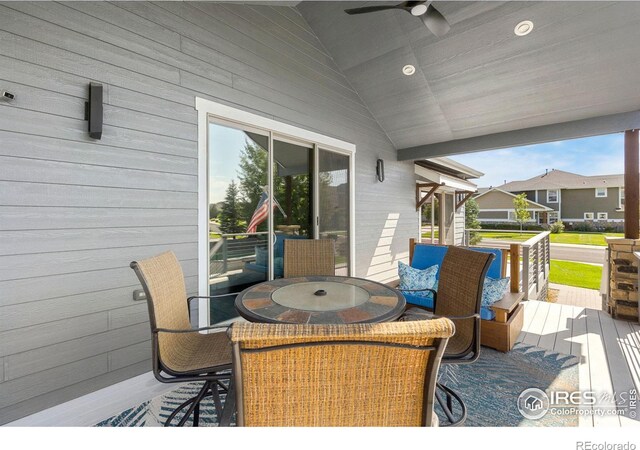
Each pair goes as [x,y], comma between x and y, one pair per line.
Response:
[575,296]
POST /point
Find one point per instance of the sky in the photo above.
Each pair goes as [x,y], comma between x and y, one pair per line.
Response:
[599,155]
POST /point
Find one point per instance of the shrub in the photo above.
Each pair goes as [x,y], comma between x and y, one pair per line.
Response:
[583,226]
[511,226]
[557,227]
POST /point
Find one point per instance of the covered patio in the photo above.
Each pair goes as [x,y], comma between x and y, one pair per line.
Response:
[126,127]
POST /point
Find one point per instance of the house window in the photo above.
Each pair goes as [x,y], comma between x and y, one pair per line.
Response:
[552,196]
[553,217]
[603,216]
[588,216]
[511,215]
[621,197]
[601,192]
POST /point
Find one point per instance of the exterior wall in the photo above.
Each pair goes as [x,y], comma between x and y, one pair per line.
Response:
[575,202]
[542,199]
[74,211]
[459,226]
[495,200]
[493,215]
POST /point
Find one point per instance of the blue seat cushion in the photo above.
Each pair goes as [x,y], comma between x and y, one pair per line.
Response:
[493,290]
[412,278]
[487,313]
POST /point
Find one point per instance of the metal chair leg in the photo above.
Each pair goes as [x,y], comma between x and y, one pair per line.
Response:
[194,401]
[447,406]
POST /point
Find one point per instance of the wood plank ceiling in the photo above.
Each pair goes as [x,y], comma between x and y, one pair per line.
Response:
[580,61]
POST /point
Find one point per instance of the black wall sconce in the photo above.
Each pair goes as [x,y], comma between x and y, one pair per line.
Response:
[380,170]
[93,110]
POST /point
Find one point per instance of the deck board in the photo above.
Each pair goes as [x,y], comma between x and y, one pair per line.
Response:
[618,368]
[609,351]
[599,373]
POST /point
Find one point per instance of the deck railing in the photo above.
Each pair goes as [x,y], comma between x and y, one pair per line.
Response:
[535,259]
[232,250]
[535,266]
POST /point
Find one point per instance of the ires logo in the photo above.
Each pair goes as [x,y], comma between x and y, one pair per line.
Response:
[577,398]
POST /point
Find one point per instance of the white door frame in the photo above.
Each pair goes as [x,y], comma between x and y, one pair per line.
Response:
[207,108]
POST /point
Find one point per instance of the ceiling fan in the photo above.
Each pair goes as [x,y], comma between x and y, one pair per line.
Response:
[435,22]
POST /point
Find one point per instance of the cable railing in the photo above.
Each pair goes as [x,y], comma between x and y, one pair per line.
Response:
[534,262]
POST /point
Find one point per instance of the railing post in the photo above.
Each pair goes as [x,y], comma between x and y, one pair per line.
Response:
[514,252]
[224,254]
[467,237]
[525,271]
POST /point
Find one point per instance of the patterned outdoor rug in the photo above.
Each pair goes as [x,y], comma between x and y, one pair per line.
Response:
[490,388]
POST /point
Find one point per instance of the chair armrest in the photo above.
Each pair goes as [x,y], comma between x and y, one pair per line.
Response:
[206,296]
[434,292]
[192,330]
[211,296]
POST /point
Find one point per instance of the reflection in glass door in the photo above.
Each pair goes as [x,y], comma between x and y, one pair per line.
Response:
[292,192]
[238,213]
[333,204]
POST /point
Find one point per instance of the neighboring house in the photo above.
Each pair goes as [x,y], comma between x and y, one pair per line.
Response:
[496,206]
[448,182]
[570,197]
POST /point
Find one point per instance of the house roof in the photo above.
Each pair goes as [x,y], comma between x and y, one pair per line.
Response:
[497,191]
[559,179]
[450,167]
[570,77]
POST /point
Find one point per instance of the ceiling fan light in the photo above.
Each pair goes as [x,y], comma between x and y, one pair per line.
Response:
[408,70]
[523,28]
[419,10]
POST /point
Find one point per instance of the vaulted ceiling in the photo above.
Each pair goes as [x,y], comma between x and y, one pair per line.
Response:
[581,61]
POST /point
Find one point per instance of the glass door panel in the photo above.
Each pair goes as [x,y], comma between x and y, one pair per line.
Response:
[238,214]
[333,204]
[293,194]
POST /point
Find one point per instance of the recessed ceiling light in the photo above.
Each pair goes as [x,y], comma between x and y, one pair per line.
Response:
[419,10]
[408,69]
[523,28]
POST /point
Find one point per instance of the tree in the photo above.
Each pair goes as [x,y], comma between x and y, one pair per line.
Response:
[520,205]
[213,211]
[252,175]
[229,217]
[471,211]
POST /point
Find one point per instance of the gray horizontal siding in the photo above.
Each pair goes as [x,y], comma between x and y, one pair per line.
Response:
[74,211]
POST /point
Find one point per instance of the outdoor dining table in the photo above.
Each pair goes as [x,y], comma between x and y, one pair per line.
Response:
[320,300]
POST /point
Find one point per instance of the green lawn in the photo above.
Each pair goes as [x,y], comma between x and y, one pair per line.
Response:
[583,238]
[507,236]
[567,237]
[575,274]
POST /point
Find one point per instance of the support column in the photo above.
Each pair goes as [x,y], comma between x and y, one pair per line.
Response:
[631,186]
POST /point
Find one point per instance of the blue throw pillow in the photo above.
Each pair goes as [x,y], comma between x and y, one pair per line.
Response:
[493,290]
[262,256]
[411,279]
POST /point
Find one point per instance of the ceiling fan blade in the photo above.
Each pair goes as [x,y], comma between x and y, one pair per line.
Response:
[368,9]
[435,22]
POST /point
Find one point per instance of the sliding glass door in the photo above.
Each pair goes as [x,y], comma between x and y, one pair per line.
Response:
[293,179]
[238,213]
[263,188]
[333,204]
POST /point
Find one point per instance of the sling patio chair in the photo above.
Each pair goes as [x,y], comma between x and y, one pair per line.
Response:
[380,374]
[181,353]
[305,257]
[458,298]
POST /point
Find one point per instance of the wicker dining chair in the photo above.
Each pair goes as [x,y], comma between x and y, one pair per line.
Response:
[304,257]
[381,374]
[181,353]
[459,298]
